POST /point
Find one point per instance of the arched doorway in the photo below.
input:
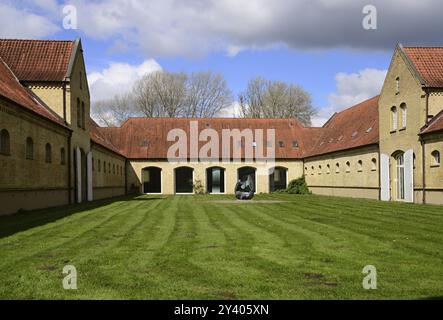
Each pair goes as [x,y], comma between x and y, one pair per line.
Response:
[80,175]
[184,180]
[215,180]
[245,173]
[277,179]
[152,180]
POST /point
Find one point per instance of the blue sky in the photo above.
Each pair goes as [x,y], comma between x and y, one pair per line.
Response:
[321,45]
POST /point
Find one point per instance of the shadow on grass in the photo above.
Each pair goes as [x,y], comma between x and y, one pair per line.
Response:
[147,199]
[22,221]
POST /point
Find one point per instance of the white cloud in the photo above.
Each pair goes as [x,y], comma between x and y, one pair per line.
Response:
[352,88]
[17,23]
[118,78]
[196,27]
[233,111]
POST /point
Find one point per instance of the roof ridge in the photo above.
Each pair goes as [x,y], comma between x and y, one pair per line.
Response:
[423,47]
[355,105]
[34,40]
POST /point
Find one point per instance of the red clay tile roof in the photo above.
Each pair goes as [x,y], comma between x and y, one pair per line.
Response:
[146,138]
[429,63]
[354,127]
[434,125]
[12,89]
[98,138]
[37,60]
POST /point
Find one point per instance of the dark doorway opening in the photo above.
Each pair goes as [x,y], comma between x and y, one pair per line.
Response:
[277,179]
[215,180]
[184,180]
[152,181]
[247,174]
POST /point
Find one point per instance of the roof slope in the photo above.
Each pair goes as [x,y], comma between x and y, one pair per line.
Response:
[37,60]
[428,61]
[12,89]
[354,127]
[434,125]
[147,137]
[98,138]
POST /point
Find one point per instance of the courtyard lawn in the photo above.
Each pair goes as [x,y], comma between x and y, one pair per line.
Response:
[208,247]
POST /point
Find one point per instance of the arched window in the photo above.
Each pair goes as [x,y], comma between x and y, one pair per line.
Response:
[99,165]
[104,166]
[337,167]
[83,115]
[360,166]
[5,147]
[374,164]
[29,148]
[394,118]
[306,170]
[319,169]
[48,153]
[328,169]
[113,169]
[348,166]
[79,114]
[435,158]
[397,85]
[312,170]
[109,167]
[404,115]
[62,156]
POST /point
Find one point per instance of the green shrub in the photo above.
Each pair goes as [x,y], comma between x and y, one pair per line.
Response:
[298,186]
[198,187]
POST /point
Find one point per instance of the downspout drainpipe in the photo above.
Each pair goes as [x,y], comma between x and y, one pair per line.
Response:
[69,145]
[126,176]
[423,153]
[69,166]
[423,148]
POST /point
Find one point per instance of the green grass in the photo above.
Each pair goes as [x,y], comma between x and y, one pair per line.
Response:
[187,247]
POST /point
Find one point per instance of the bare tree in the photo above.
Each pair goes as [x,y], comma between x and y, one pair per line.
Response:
[160,94]
[168,94]
[114,111]
[206,95]
[276,99]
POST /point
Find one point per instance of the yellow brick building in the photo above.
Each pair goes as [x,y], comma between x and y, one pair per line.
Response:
[52,153]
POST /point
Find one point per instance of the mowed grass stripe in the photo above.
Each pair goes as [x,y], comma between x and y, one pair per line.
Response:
[164,247]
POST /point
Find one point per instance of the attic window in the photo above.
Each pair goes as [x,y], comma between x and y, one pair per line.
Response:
[369,130]
[322,143]
[397,85]
[145,143]
[207,124]
[340,138]
[354,134]
[294,143]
